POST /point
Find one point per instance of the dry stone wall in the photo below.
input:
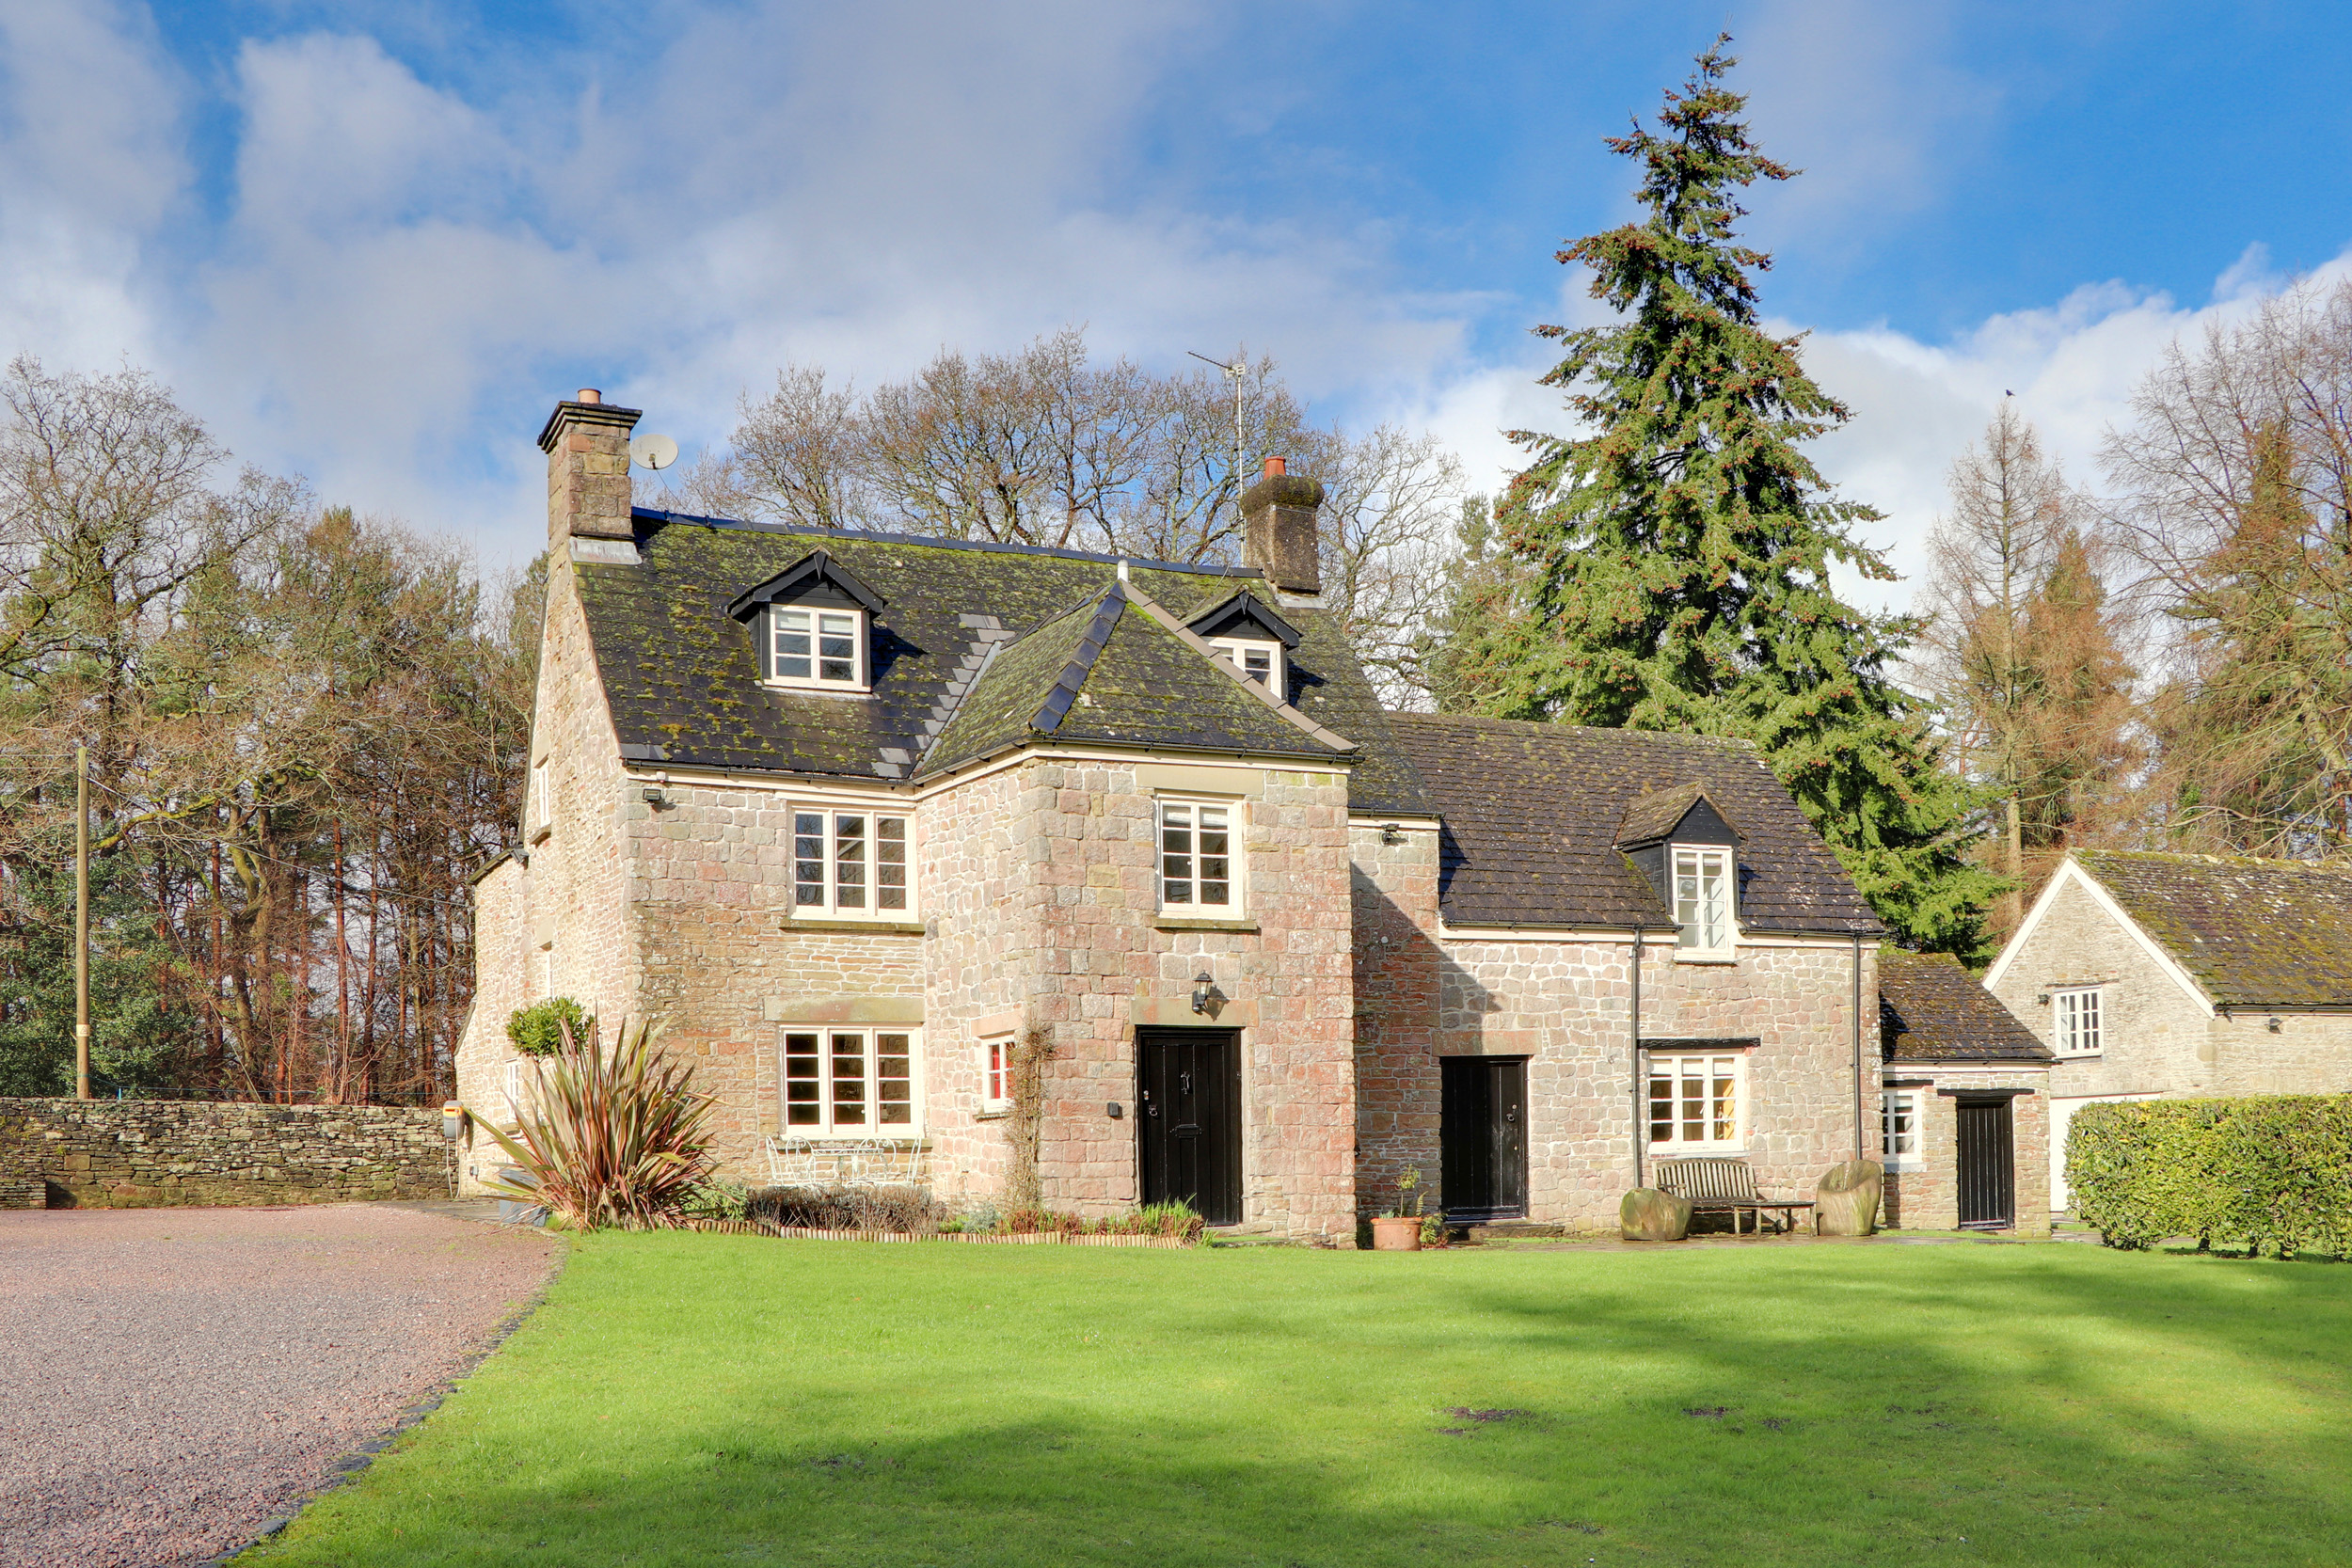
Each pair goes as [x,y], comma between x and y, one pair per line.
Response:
[148,1153]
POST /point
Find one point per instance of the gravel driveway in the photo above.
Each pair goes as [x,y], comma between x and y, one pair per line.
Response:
[172,1378]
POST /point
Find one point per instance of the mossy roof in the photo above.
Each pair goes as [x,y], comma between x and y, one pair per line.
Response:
[1931,1010]
[2254,934]
[963,626]
[1531,814]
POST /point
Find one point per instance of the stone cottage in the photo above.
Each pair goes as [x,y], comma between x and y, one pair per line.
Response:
[939,859]
[2151,975]
[1966,1102]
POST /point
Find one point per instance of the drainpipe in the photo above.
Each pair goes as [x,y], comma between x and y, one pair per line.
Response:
[1640,1110]
[1858,1046]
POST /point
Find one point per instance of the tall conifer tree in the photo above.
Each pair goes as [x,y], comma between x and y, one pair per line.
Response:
[1673,558]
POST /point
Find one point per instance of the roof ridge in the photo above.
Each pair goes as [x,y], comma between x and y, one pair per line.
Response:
[1064,691]
[1547,726]
[930,540]
[2184,857]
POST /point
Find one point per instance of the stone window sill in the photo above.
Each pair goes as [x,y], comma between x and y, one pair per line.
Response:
[1190,923]
[541,833]
[1721,960]
[849,1142]
[999,1114]
[892,928]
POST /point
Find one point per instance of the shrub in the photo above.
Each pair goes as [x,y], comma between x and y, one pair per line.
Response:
[903,1210]
[612,1138]
[717,1200]
[540,1029]
[2272,1173]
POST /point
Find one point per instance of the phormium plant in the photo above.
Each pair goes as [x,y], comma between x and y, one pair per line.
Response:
[612,1138]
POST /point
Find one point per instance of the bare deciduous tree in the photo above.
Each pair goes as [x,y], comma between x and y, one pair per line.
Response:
[2235,500]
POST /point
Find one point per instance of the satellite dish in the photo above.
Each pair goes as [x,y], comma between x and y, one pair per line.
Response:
[653,451]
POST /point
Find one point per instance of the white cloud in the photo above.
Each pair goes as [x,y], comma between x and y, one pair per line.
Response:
[89,171]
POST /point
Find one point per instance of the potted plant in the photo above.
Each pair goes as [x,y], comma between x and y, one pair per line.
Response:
[1399,1229]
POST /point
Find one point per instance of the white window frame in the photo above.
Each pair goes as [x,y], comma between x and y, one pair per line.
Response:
[1714,1066]
[546,970]
[1184,813]
[2078,1013]
[1903,1127]
[996,1075]
[820,624]
[518,1093]
[813,1092]
[876,834]
[1698,919]
[1237,650]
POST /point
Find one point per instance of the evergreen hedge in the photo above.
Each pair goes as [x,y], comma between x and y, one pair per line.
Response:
[2271,1172]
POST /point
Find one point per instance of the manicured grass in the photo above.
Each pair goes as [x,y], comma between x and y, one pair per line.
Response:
[697,1400]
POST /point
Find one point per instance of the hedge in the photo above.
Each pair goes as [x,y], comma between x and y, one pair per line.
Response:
[2272,1172]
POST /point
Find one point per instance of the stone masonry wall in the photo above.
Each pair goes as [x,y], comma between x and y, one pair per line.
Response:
[1399,1103]
[558,908]
[1563,1002]
[145,1153]
[1107,960]
[2156,1038]
[1927,1197]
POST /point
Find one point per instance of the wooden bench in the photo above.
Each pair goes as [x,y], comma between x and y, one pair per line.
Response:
[1725,1184]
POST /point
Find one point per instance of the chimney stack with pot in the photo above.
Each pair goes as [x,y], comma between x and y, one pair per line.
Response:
[1278,516]
[586,440]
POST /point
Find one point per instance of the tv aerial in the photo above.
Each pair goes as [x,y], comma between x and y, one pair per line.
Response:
[1234,372]
[654,453]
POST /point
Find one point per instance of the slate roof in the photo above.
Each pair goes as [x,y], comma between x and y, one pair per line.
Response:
[1931,1010]
[2255,933]
[682,674]
[1531,814]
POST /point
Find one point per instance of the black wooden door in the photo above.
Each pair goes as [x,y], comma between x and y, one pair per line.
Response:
[1988,1165]
[1188,1119]
[1483,1137]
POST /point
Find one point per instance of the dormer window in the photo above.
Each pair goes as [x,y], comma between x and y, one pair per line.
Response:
[1259,661]
[1702,898]
[1253,638]
[813,627]
[1689,848]
[811,646]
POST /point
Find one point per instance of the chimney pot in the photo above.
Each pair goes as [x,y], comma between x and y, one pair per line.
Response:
[1277,466]
[589,394]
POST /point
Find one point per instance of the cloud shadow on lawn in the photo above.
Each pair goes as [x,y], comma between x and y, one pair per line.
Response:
[1832,1406]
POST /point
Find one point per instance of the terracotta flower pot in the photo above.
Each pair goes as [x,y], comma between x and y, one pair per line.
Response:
[1397,1234]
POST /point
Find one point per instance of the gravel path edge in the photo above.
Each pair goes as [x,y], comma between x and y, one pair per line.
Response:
[350,1467]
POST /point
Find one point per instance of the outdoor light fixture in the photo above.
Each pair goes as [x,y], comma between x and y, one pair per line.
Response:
[653,795]
[2274,1023]
[1204,987]
[1391,832]
[2042,1000]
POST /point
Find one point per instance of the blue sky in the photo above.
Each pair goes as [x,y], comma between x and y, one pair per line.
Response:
[372,242]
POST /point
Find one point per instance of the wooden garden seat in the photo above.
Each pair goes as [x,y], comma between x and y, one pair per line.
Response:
[1715,1183]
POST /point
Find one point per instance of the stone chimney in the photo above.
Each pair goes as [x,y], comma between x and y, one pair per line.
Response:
[1278,516]
[586,440]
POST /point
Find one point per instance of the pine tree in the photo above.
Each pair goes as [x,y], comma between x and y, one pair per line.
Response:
[1675,558]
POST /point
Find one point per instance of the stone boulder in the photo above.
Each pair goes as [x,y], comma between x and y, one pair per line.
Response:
[1847,1201]
[1649,1215]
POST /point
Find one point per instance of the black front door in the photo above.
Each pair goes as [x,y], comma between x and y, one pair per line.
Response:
[1483,1137]
[1988,1167]
[1188,1119]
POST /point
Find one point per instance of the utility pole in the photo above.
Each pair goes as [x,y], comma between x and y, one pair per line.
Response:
[81,922]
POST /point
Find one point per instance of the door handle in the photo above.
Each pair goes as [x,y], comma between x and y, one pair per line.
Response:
[1184,1083]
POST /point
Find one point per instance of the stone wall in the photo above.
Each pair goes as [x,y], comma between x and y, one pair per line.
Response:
[1924,1195]
[146,1153]
[2156,1036]
[1564,999]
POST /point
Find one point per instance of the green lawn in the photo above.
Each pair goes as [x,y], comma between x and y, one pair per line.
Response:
[719,1400]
